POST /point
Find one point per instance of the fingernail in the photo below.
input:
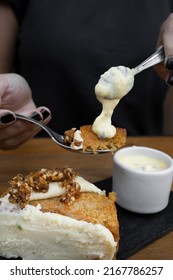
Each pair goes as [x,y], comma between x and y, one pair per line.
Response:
[7,118]
[36,116]
[45,114]
[169,63]
[170,80]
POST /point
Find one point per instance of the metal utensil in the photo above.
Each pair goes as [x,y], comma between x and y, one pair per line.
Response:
[56,137]
[152,60]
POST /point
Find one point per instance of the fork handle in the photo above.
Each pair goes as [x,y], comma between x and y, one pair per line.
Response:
[152,60]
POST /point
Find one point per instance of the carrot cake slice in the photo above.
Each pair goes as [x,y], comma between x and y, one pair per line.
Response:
[57,214]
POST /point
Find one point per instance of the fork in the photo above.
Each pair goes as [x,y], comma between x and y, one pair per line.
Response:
[56,137]
[152,60]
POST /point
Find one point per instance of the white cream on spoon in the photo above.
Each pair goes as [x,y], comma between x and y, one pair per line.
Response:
[111,87]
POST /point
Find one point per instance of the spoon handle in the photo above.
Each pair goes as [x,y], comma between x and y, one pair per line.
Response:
[152,60]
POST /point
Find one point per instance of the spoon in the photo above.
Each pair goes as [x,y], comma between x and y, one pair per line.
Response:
[56,137]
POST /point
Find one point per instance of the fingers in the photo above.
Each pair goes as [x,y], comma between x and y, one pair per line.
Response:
[46,114]
[40,113]
[15,94]
[14,132]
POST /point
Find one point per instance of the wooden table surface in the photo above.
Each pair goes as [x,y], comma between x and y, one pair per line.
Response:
[44,153]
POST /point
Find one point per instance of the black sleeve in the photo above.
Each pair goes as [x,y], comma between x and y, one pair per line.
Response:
[19,7]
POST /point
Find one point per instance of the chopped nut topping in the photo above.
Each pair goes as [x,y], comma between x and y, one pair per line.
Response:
[20,191]
[68,136]
[38,181]
[72,192]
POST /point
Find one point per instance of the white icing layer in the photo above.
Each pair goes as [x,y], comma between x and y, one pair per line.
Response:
[32,234]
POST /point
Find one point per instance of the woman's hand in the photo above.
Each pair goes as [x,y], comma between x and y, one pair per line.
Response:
[16,97]
[165,69]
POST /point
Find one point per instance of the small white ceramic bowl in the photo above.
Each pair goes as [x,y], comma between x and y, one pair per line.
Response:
[143,189]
